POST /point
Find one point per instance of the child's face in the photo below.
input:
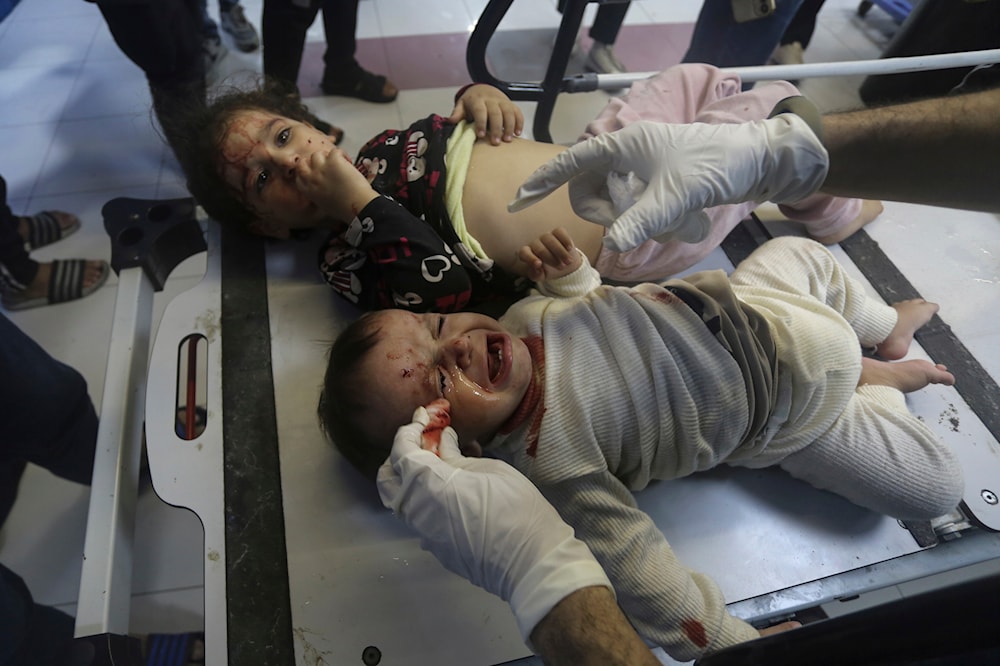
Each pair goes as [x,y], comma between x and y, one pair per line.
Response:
[260,151]
[467,358]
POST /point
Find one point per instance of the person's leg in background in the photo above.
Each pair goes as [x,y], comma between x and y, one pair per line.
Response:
[284,24]
[17,269]
[213,50]
[164,38]
[798,34]
[234,21]
[604,31]
[342,74]
[720,40]
[48,419]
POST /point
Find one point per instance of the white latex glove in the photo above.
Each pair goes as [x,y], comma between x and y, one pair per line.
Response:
[486,522]
[654,180]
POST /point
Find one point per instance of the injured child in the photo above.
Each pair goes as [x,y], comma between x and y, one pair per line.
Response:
[425,225]
[592,391]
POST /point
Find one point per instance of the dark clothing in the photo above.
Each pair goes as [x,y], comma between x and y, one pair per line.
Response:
[803,24]
[403,252]
[607,21]
[47,419]
[284,24]
[17,269]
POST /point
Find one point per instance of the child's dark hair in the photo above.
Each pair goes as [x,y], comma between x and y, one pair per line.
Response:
[342,404]
[196,132]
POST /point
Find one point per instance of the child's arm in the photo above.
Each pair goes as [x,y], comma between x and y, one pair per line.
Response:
[334,184]
[552,255]
[389,258]
[558,268]
[492,112]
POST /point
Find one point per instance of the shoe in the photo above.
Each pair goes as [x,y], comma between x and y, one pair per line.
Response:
[235,22]
[363,85]
[787,54]
[213,51]
[45,228]
[601,59]
[65,284]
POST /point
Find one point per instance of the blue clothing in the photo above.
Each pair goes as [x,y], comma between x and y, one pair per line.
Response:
[47,419]
[719,40]
[17,269]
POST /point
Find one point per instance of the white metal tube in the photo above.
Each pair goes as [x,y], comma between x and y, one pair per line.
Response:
[820,69]
[106,581]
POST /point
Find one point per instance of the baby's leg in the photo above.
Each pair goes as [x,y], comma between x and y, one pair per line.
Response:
[828,219]
[805,268]
[905,376]
[881,457]
[911,316]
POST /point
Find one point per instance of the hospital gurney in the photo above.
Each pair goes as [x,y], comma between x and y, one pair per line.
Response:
[302,563]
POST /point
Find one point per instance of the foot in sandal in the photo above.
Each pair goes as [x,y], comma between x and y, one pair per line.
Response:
[46,227]
[58,282]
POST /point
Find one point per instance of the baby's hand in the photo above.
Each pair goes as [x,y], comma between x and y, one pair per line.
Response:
[551,256]
[492,112]
[439,412]
[333,184]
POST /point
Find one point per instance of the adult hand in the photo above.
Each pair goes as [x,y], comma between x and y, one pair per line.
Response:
[491,111]
[485,521]
[654,180]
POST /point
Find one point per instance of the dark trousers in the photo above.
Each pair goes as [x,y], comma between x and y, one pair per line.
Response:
[16,267]
[162,37]
[46,418]
[803,23]
[284,24]
[607,22]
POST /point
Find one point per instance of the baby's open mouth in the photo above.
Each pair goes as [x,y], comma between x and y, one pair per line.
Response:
[495,350]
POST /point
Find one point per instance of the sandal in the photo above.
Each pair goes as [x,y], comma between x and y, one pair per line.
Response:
[367,86]
[65,284]
[44,228]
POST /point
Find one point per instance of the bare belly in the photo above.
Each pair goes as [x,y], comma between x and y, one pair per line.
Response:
[495,173]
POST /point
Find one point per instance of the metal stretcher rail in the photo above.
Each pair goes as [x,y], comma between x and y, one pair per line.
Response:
[555,81]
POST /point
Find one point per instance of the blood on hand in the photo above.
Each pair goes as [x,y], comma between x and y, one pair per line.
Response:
[440,418]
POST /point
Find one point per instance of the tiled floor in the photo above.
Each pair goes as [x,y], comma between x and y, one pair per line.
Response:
[76,131]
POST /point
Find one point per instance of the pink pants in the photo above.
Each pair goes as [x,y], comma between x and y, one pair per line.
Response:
[701,93]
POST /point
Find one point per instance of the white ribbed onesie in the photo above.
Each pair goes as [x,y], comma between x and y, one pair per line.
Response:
[636,387]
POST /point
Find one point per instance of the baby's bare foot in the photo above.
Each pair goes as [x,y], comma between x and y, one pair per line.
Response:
[870,209]
[912,315]
[905,376]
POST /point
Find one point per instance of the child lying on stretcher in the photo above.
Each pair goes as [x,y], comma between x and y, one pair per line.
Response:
[592,391]
[422,222]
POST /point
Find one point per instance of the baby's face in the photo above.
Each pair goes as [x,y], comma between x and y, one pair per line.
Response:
[260,151]
[467,358]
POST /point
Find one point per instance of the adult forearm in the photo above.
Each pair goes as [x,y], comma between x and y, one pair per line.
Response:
[587,628]
[942,152]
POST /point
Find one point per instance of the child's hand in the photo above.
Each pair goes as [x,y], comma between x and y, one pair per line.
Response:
[331,181]
[492,112]
[551,256]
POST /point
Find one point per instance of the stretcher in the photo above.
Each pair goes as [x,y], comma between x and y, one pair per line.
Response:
[304,566]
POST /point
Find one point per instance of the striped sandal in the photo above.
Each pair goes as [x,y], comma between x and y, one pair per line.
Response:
[44,228]
[65,284]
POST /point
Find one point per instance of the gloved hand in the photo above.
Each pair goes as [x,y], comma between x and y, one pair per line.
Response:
[485,521]
[665,175]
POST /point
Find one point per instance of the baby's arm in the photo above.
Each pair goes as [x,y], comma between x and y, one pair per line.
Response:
[552,255]
[492,112]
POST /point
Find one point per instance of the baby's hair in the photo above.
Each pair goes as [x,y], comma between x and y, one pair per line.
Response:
[196,133]
[344,401]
